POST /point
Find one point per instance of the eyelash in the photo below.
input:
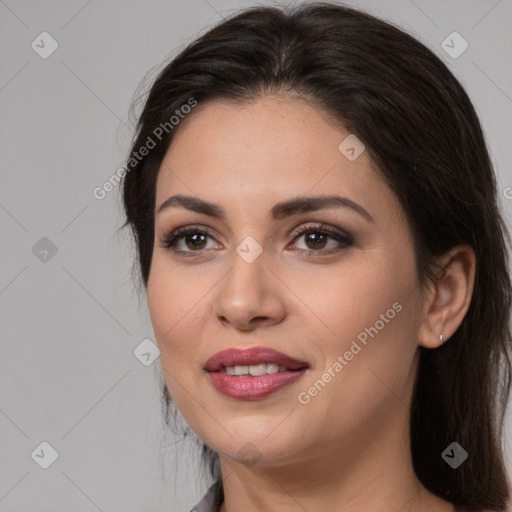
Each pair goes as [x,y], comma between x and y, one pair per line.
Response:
[169,240]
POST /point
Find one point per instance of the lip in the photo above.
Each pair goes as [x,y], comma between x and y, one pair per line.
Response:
[249,356]
[248,387]
[252,388]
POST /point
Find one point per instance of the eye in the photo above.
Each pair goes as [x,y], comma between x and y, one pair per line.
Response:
[193,237]
[316,238]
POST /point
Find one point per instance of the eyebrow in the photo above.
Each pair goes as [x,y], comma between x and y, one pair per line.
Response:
[278,212]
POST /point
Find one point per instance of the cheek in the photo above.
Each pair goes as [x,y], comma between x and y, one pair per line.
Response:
[370,317]
[374,311]
[365,370]
[177,314]
[176,317]
[351,296]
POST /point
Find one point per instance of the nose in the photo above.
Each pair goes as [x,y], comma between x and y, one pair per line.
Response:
[250,296]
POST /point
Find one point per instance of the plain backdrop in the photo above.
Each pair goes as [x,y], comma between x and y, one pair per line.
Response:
[69,316]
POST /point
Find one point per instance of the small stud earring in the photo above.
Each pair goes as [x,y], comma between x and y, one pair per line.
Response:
[441,339]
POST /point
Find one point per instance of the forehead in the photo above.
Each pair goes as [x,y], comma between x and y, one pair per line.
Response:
[273,147]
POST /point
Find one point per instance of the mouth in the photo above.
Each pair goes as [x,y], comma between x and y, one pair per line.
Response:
[256,370]
[254,373]
[255,361]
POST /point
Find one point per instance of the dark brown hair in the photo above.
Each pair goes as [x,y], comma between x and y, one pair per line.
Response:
[425,139]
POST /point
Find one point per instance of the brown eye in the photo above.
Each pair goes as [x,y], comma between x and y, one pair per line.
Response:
[194,240]
[316,239]
[197,241]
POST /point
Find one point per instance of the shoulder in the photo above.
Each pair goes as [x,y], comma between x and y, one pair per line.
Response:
[207,502]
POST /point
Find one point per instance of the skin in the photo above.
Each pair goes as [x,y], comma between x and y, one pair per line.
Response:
[348,448]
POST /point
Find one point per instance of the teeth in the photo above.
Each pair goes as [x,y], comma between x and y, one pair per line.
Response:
[255,370]
[241,370]
[274,368]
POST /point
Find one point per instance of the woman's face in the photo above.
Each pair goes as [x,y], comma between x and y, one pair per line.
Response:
[347,304]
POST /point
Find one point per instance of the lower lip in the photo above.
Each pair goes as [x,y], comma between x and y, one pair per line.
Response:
[253,388]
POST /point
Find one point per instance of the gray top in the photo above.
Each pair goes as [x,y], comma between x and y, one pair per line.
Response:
[206,503]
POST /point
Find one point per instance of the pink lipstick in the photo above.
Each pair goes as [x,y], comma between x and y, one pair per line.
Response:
[251,374]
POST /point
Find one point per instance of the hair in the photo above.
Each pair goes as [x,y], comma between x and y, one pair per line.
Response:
[425,140]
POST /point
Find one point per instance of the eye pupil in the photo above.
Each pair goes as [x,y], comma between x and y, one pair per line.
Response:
[318,237]
[195,238]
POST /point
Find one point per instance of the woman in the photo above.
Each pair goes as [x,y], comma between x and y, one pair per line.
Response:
[325,264]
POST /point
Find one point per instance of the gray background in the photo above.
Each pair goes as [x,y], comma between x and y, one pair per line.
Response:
[70,323]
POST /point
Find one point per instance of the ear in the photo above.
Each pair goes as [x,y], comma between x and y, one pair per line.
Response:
[447,299]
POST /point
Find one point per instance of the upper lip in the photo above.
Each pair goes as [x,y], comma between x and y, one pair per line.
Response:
[250,356]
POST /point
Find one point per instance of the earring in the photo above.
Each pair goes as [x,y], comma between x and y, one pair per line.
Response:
[441,339]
